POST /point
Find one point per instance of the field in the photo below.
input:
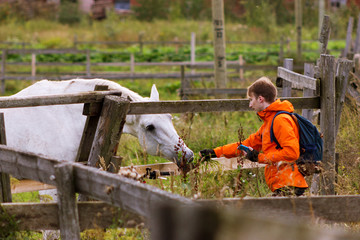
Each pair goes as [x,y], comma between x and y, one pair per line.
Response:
[200,130]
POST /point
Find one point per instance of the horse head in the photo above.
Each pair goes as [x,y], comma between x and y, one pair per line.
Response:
[157,135]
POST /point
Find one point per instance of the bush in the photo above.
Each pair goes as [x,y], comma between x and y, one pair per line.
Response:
[69,13]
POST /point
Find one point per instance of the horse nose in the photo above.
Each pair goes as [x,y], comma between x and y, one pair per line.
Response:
[190,157]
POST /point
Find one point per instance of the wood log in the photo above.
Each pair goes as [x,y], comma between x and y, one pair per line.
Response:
[92,215]
[218,105]
[55,99]
[68,211]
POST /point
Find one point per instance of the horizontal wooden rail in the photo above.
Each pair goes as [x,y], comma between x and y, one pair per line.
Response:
[122,192]
[92,215]
[213,91]
[45,51]
[219,105]
[299,80]
[56,99]
[344,208]
[109,75]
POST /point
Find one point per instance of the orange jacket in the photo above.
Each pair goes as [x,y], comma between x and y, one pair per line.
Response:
[281,169]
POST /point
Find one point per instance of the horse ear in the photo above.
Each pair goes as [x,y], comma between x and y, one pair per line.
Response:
[154,96]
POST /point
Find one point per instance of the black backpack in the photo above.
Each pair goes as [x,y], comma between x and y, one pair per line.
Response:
[311,144]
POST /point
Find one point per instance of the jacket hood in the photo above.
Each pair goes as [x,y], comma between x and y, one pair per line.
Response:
[276,107]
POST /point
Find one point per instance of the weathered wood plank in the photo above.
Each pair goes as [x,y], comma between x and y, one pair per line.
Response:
[91,123]
[218,105]
[300,80]
[109,129]
[28,185]
[122,192]
[5,188]
[332,208]
[308,71]
[327,122]
[287,85]
[45,51]
[92,215]
[219,43]
[344,68]
[226,224]
[214,91]
[348,37]
[324,34]
[357,40]
[55,99]
[68,211]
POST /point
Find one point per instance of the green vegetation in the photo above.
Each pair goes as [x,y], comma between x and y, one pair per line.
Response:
[199,130]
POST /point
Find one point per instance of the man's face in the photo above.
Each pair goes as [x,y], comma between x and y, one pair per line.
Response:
[256,103]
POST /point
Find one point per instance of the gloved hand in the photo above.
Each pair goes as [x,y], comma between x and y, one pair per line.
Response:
[207,153]
[253,156]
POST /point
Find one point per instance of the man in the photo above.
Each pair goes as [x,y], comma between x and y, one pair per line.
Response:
[281,172]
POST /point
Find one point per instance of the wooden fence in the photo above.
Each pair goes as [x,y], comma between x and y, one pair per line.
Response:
[143,199]
[327,81]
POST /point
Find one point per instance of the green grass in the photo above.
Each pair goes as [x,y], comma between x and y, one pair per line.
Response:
[199,130]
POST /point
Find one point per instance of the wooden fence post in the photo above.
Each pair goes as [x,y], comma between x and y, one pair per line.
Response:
[298,20]
[3,69]
[219,43]
[132,63]
[109,129]
[241,67]
[327,122]
[344,67]
[310,72]
[286,85]
[33,67]
[141,44]
[88,63]
[193,51]
[5,187]
[348,37]
[281,50]
[357,40]
[68,211]
[92,111]
[325,34]
[184,84]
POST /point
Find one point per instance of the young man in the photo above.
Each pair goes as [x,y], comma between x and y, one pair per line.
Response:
[281,172]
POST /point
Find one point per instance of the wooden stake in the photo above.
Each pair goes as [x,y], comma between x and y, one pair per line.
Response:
[219,43]
[68,211]
[327,122]
[5,188]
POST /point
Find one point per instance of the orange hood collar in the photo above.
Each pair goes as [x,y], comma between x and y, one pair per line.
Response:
[275,107]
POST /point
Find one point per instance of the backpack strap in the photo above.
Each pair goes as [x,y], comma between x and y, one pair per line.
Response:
[272,135]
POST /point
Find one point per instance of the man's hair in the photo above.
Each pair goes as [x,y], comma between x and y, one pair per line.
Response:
[263,87]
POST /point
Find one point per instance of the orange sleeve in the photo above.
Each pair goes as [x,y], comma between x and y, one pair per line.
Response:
[286,132]
[230,150]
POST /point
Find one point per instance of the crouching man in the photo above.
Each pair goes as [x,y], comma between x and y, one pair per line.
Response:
[281,172]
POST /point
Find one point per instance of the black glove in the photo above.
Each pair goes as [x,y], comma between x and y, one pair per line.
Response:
[207,153]
[253,156]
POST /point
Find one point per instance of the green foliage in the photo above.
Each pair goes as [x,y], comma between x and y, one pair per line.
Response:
[8,225]
[148,10]
[260,13]
[69,13]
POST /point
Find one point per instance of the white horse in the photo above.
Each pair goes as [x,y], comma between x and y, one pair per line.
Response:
[55,131]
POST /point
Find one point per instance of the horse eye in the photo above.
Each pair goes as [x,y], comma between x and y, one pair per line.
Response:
[150,127]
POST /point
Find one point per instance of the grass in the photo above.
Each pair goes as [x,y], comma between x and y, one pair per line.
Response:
[199,130]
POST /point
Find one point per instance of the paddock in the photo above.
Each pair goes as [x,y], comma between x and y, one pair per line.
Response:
[167,214]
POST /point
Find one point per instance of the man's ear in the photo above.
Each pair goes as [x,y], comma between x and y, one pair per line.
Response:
[261,99]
